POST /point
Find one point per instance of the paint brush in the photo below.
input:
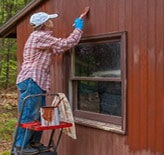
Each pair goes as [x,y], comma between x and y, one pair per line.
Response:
[84,13]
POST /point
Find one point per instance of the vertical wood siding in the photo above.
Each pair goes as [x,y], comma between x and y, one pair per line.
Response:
[144,22]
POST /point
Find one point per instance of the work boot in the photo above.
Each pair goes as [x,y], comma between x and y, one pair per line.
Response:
[40,147]
[27,150]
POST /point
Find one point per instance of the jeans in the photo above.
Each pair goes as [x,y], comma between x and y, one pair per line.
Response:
[30,111]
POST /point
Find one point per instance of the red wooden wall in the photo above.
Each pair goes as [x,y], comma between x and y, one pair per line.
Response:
[144,22]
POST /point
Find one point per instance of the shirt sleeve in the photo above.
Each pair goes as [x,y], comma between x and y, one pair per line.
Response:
[59,45]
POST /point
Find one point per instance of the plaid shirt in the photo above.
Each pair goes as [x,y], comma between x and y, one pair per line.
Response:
[38,50]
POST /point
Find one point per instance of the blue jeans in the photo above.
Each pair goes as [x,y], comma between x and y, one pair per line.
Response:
[30,111]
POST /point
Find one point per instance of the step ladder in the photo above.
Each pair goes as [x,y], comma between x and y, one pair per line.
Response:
[36,126]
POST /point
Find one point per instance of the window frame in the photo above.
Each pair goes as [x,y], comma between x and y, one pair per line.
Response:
[95,118]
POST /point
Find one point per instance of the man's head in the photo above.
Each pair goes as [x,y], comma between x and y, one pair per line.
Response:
[40,18]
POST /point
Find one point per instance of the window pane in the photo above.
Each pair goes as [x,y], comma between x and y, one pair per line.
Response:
[98,60]
[100,97]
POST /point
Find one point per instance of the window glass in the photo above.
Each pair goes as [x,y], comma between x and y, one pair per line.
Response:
[98,82]
[98,60]
[99,97]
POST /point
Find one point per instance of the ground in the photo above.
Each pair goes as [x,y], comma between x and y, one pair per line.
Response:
[8,117]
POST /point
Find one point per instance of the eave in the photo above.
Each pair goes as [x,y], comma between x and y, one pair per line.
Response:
[8,30]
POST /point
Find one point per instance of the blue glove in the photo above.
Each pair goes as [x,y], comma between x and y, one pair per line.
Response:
[79,23]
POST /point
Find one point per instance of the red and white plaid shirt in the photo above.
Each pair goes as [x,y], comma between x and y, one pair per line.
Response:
[39,48]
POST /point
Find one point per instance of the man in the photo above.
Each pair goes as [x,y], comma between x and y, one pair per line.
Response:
[34,76]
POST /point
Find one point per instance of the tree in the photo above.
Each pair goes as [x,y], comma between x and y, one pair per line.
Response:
[8,64]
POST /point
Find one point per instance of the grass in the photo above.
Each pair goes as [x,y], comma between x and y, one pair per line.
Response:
[8,118]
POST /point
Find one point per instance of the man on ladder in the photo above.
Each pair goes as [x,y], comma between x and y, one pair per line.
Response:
[34,76]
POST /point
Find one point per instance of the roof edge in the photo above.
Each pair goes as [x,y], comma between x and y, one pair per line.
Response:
[7,28]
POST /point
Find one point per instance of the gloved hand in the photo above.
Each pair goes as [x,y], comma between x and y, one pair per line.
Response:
[79,23]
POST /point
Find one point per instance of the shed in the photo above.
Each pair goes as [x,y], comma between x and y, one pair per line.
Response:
[114,78]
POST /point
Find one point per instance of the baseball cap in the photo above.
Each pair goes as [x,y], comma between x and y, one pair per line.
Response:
[41,17]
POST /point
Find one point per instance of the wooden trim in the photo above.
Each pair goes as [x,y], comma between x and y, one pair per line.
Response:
[113,36]
[97,78]
[100,125]
[92,116]
[124,81]
[98,117]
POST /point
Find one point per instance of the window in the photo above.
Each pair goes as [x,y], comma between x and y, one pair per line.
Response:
[98,81]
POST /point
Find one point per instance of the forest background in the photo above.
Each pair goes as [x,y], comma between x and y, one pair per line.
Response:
[8,62]
[8,73]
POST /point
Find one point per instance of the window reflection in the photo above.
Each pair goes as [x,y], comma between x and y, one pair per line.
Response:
[100,97]
[98,60]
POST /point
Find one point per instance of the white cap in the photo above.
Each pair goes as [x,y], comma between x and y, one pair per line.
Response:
[40,18]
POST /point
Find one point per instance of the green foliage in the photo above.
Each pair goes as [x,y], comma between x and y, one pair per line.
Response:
[8,119]
[10,77]
[8,62]
[7,129]
[6,153]
[8,8]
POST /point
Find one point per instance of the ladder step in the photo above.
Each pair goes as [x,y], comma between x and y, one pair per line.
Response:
[38,127]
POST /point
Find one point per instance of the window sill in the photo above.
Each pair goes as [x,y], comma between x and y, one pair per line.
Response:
[100,125]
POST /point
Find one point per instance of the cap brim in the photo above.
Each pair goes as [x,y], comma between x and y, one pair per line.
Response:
[53,15]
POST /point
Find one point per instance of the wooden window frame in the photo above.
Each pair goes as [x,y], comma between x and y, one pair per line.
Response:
[107,122]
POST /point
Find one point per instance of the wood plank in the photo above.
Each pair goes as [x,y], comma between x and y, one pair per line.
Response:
[143,73]
[91,20]
[135,96]
[151,74]
[130,105]
[122,16]
[117,145]
[115,15]
[108,16]
[100,13]
[159,72]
